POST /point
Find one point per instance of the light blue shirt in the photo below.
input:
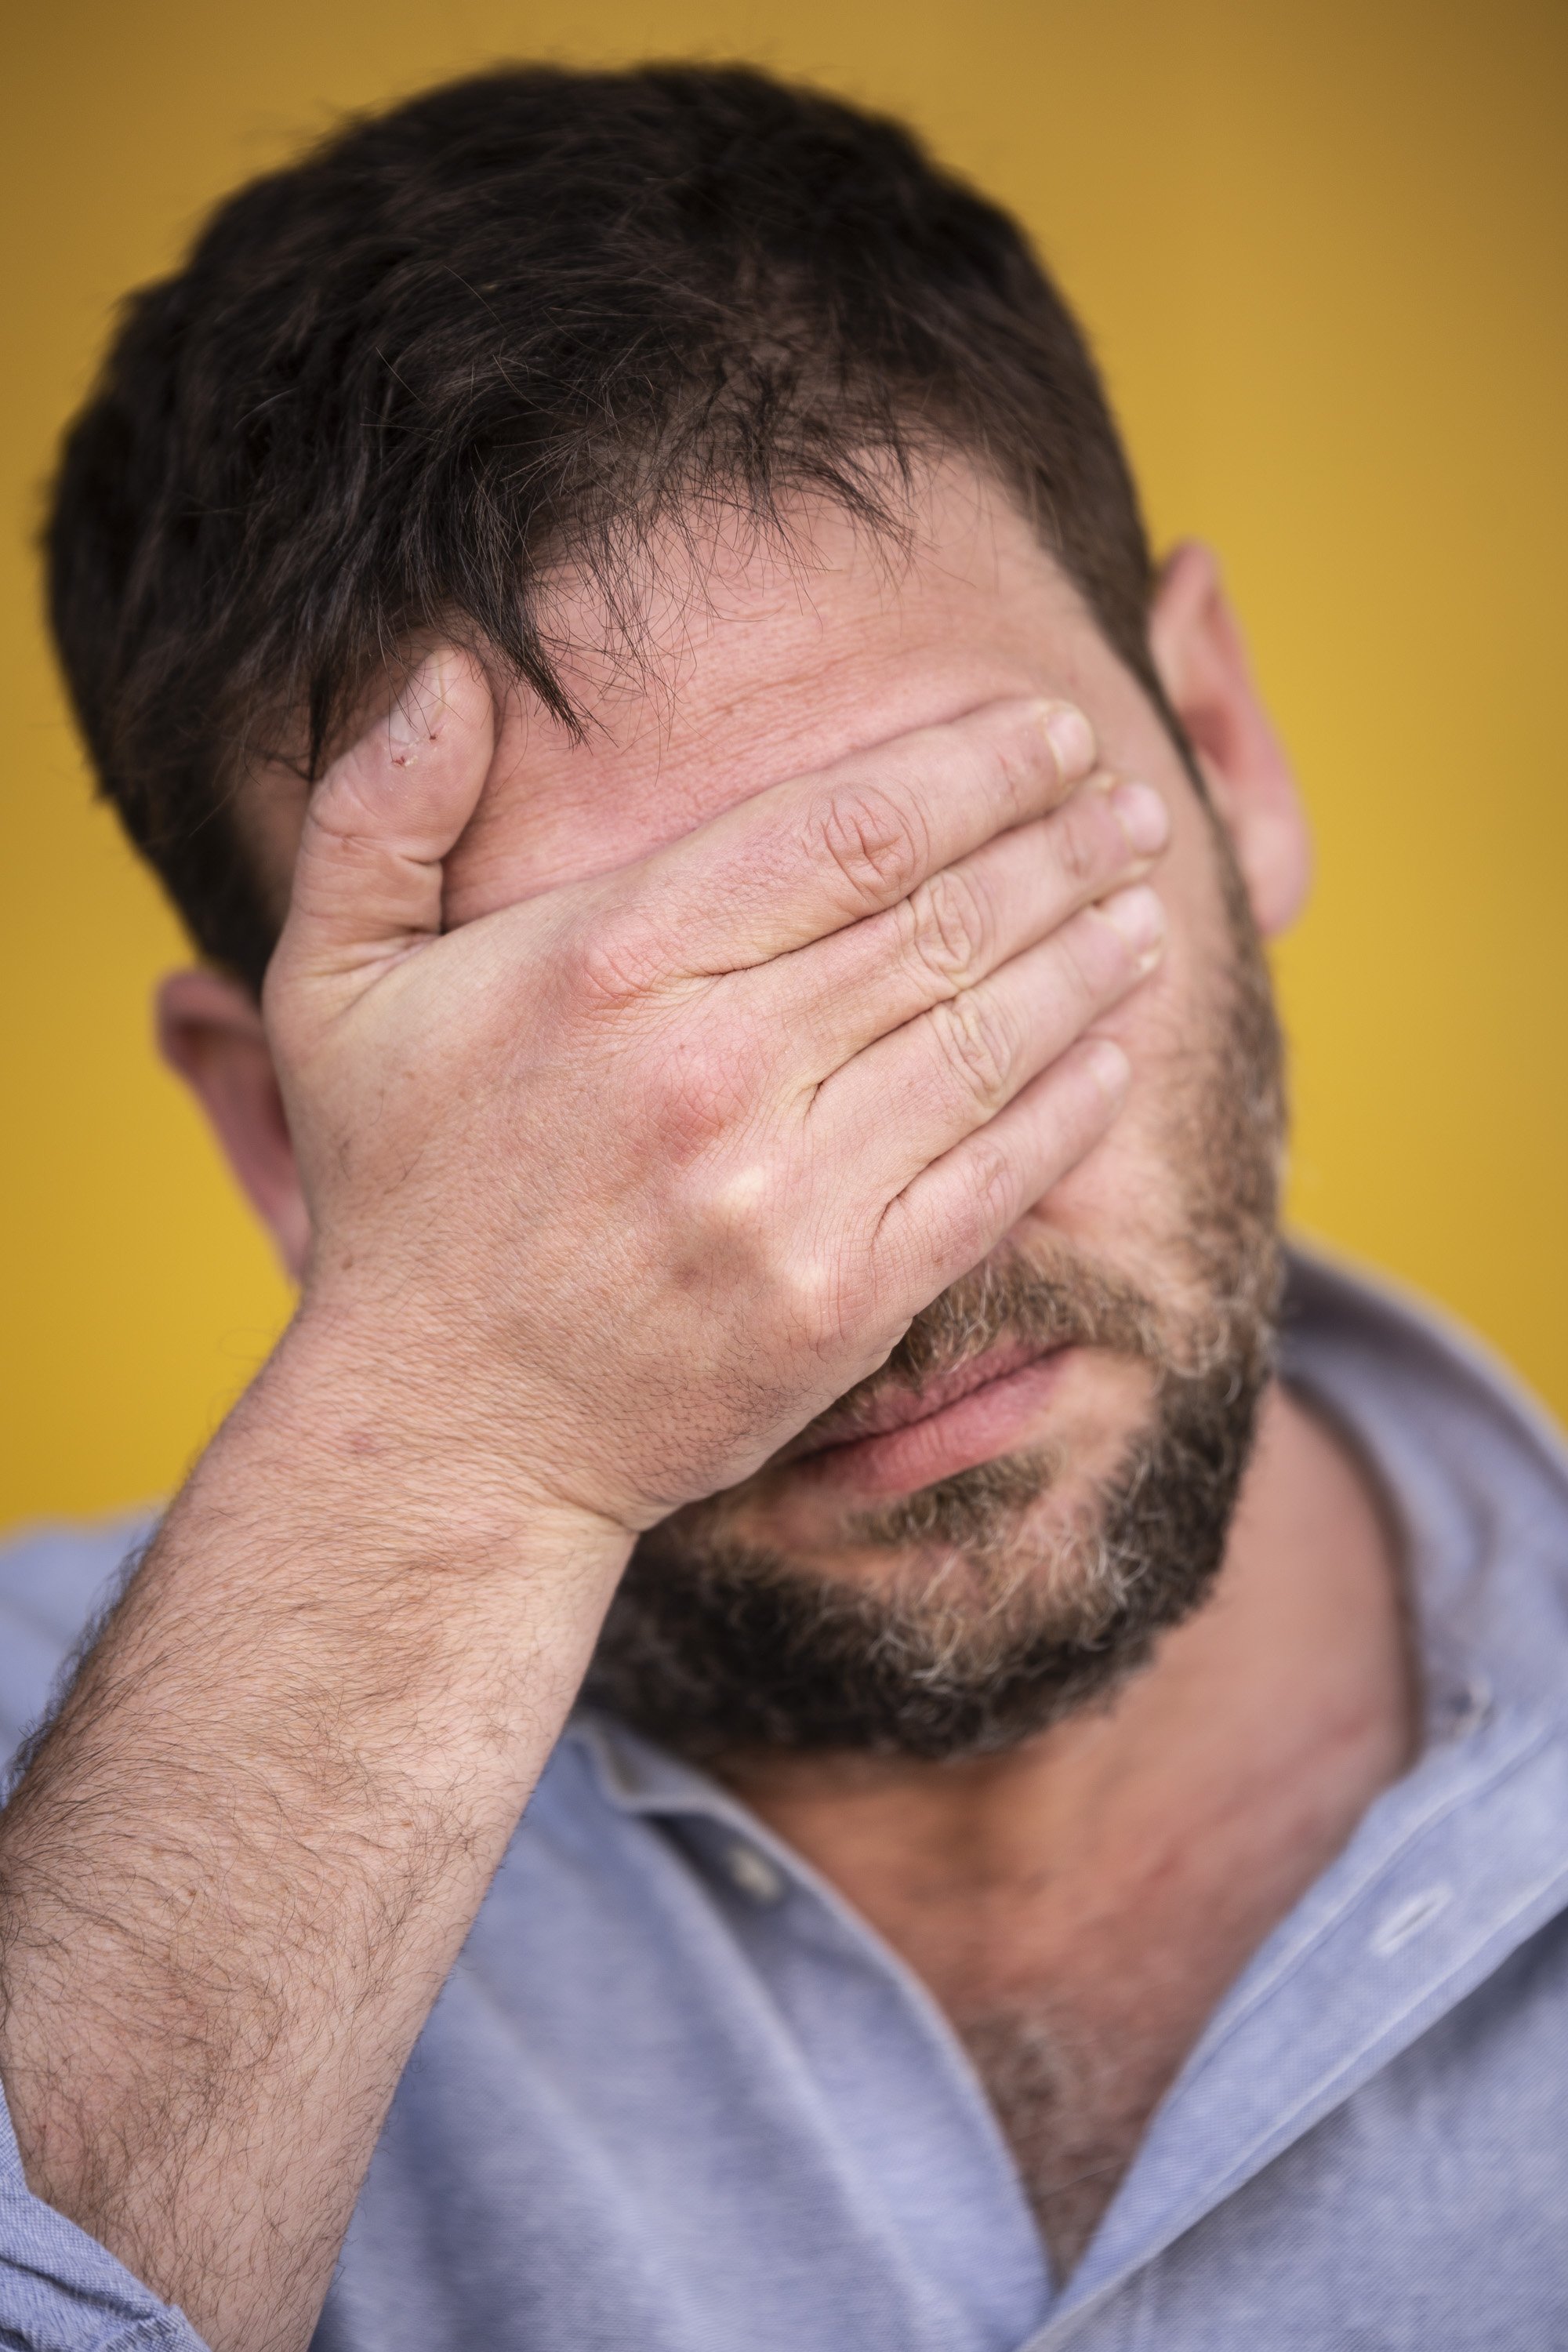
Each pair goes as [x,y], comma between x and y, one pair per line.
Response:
[675,2097]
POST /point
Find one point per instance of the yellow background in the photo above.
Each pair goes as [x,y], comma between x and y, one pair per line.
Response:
[1320,248]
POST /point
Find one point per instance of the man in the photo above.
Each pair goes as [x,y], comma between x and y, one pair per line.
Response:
[1045,1771]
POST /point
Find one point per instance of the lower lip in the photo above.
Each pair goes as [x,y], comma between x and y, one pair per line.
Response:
[988,1421]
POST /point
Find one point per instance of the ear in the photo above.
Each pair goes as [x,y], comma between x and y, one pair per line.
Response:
[1202,662]
[210,1033]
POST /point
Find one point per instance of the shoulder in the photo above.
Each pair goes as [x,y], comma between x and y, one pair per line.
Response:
[54,1579]
[1472,1466]
[1399,1365]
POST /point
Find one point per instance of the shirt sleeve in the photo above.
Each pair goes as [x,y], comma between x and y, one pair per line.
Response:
[60,2291]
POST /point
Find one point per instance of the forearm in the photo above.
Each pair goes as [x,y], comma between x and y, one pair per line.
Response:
[245,1856]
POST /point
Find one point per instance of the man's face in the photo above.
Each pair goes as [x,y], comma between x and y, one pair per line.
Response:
[994,1525]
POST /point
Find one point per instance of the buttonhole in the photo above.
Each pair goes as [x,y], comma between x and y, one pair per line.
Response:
[1408,1919]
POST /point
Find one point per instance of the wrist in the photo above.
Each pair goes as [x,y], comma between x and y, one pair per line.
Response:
[424,1428]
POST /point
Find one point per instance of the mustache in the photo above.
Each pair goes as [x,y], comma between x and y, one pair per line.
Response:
[1011,1305]
[1065,1303]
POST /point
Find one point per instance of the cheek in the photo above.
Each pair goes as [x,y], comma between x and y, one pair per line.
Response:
[1119,1207]
[1124,1204]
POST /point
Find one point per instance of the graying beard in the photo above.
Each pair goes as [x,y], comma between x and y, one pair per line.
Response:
[715,1648]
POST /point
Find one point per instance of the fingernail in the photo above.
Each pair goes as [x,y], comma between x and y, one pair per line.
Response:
[1139,917]
[1071,739]
[1143,817]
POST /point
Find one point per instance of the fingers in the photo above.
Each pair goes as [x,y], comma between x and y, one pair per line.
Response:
[367,882]
[922,1090]
[956,927]
[957,1210]
[809,856]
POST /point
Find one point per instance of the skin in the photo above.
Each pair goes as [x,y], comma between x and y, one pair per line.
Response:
[674,992]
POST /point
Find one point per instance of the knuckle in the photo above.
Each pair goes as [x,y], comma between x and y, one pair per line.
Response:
[1020,753]
[978,1046]
[1082,849]
[1075,966]
[984,1206]
[701,1096]
[991,1184]
[738,1222]
[949,929]
[869,845]
[735,1204]
[811,1296]
[619,961]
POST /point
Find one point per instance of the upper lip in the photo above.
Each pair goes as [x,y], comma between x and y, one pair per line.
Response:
[899,1408]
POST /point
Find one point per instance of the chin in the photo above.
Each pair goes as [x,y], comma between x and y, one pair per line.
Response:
[957,1620]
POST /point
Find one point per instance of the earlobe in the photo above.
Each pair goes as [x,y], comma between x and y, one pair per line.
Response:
[1203,666]
[210,1033]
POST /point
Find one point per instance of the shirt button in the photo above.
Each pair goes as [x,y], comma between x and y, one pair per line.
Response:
[753,1873]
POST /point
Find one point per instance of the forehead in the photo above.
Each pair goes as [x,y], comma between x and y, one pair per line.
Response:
[757,656]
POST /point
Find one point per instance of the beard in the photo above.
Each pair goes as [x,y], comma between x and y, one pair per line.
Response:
[998,1613]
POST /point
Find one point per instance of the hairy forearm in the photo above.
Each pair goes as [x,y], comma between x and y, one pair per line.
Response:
[244,1859]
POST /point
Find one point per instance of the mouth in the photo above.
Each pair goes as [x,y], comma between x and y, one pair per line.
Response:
[900,1440]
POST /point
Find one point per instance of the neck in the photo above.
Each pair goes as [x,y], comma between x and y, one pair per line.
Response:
[1229,1772]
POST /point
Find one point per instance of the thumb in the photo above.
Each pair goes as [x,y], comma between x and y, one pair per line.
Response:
[367,880]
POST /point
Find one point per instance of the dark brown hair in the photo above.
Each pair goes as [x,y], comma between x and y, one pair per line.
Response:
[520,319]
